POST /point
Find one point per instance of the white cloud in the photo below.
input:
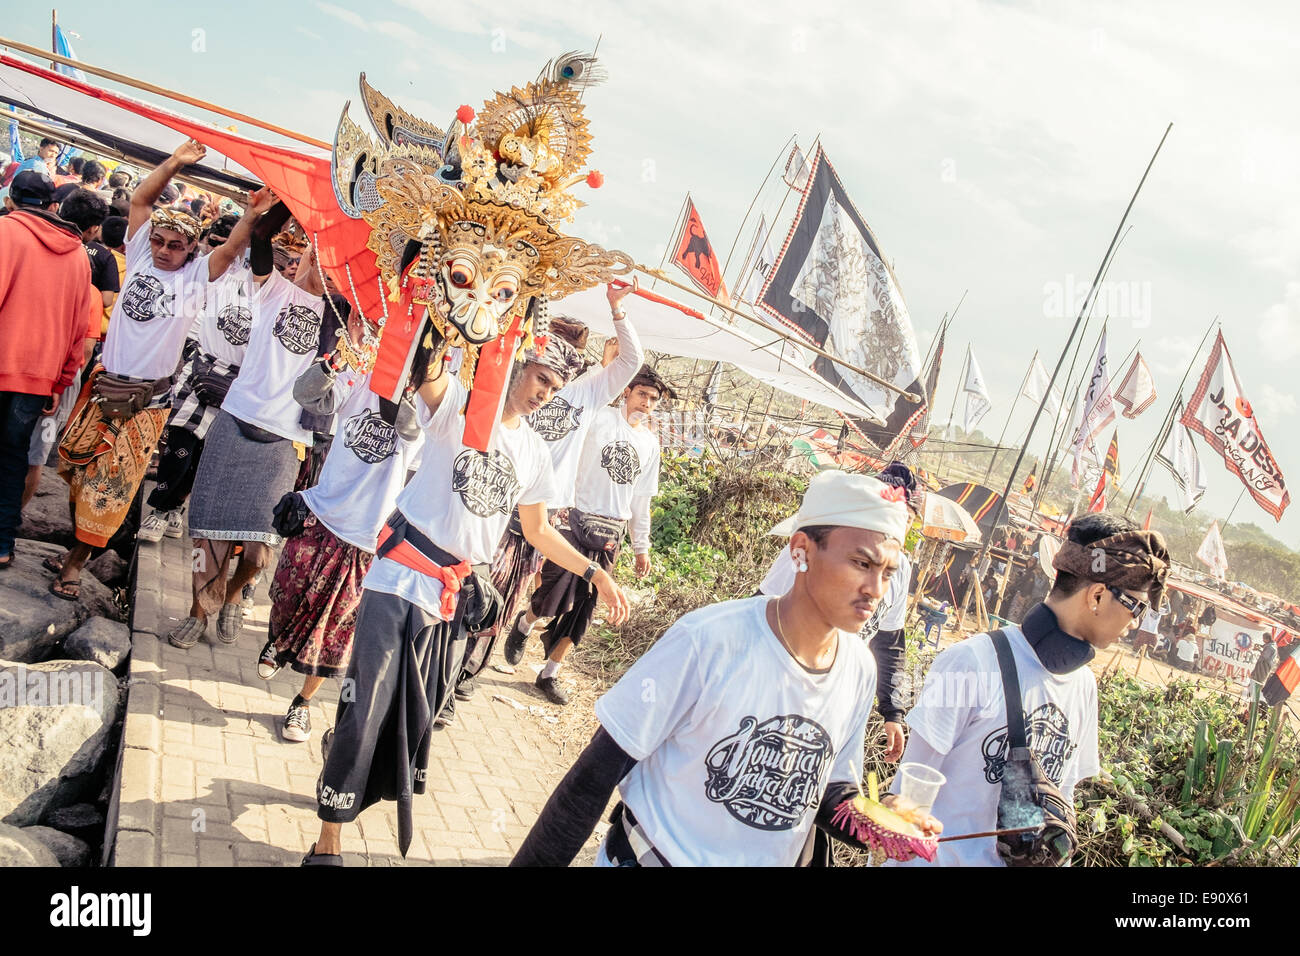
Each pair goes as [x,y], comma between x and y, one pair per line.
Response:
[1279,329]
[1276,405]
[351,18]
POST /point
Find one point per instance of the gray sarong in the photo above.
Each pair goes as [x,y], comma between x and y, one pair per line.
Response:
[239,483]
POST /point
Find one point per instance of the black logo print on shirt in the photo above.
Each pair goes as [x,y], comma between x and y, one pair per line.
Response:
[767,775]
[487,484]
[620,461]
[370,437]
[145,298]
[298,329]
[1048,733]
[555,419]
[234,323]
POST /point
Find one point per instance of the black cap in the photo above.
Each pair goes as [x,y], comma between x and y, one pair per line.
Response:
[32,188]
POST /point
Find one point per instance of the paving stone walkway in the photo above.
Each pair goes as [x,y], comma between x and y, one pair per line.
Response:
[208,781]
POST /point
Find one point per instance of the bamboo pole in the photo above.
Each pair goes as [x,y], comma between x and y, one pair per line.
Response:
[1014,402]
[163,91]
[657,274]
[726,265]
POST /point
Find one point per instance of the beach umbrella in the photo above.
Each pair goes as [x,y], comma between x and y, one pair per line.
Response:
[948,521]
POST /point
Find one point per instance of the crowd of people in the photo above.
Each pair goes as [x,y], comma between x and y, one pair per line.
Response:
[138,320]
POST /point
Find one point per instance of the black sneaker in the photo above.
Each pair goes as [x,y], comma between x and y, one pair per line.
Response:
[321,859]
[267,665]
[448,715]
[297,722]
[466,689]
[515,641]
[550,687]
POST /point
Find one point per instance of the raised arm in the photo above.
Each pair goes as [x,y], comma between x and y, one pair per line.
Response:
[221,258]
[147,193]
[261,259]
[629,355]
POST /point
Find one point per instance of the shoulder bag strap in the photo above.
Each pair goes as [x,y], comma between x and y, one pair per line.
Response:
[1011,690]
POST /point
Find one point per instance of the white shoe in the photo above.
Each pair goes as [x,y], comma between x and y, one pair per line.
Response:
[152,528]
[175,524]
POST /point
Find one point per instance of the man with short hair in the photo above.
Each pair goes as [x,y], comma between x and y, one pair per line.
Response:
[1108,573]
[119,179]
[92,178]
[109,440]
[46,309]
[617,477]
[43,161]
[744,725]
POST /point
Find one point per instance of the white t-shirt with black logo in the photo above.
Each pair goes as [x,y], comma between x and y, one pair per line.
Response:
[153,314]
[962,713]
[736,741]
[365,469]
[227,318]
[563,422]
[282,343]
[461,498]
[890,613]
[618,463]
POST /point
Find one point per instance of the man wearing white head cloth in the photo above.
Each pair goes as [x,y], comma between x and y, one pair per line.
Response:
[740,729]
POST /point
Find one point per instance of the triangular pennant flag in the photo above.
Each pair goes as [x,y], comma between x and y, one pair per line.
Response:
[758,264]
[1036,386]
[978,401]
[1138,390]
[1098,500]
[1111,464]
[1146,525]
[1211,553]
[694,255]
[1178,454]
[796,170]
[1098,408]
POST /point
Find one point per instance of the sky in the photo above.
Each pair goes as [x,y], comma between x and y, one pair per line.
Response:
[992,147]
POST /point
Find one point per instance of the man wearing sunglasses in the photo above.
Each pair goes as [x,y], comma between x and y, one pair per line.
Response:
[1108,572]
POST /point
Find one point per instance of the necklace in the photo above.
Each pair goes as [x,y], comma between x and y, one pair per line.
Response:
[780,634]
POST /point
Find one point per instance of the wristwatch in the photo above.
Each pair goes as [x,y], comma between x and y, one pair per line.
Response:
[590,572]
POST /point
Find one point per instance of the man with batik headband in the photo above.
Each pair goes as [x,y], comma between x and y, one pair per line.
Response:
[1108,573]
[617,476]
[257,442]
[121,412]
[563,424]
[429,584]
[744,725]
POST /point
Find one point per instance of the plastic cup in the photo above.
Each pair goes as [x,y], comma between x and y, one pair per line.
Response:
[920,784]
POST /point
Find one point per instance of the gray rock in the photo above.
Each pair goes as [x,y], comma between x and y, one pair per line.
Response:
[55,720]
[67,849]
[100,640]
[110,569]
[82,820]
[32,620]
[20,848]
[47,516]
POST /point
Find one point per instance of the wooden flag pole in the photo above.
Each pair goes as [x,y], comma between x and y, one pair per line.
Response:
[163,91]
[657,274]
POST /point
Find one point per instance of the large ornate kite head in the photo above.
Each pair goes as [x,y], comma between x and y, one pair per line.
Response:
[463,222]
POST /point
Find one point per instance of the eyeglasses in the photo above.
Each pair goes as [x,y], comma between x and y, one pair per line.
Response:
[171,246]
[1133,605]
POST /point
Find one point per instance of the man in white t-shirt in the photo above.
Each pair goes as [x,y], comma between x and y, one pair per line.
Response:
[617,478]
[744,725]
[1186,653]
[563,424]
[884,632]
[162,293]
[256,444]
[1107,572]
[422,593]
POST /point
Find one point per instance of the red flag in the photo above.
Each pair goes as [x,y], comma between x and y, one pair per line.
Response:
[694,255]
[1146,525]
[1098,501]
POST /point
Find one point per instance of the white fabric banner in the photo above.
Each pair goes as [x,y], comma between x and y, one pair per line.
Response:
[1098,408]
[1178,454]
[758,264]
[1211,553]
[1220,414]
[796,170]
[1036,387]
[1233,646]
[1138,390]
[978,401]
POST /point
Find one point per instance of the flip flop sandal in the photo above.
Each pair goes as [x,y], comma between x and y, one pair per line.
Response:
[61,589]
[52,564]
[7,561]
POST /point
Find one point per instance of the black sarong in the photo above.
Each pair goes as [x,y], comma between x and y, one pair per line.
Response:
[567,599]
[404,666]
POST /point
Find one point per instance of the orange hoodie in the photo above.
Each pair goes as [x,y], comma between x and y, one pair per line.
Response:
[46,302]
